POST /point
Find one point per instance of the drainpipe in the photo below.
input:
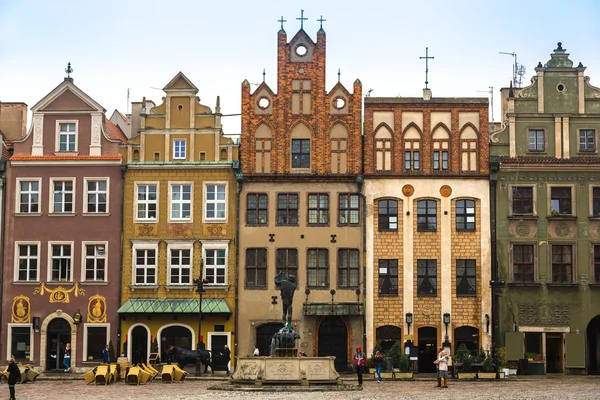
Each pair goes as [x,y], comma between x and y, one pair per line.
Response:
[2,229]
[495,283]
[359,186]
[123,171]
[240,181]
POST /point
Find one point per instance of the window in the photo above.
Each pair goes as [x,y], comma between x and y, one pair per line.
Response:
[468,146]
[440,160]
[523,269]
[596,201]
[95,262]
[256,209]
[216,201]
[597,263]
[287,209]
[96,338]
[465,215]
[536,140]
[61,262]
[348,268]
[466,278]
[29,196]
[145,266]
[156,156]
[412,156]
[522,200]
[300,153]
[179,149]
[67,137]
[560,200]
[427,278]
[388,277]
[215,265]
[318,209]
[441,144]
[180,265]
[388,215]
[27,262]
[146,202]
[562,263]
[348,209]
[181,202]
[587,140]
[318,268]
[301,96]
[426,215]
[62,196]
[20,343]
[383,145]
[256,268]
[97,196]
[287,260]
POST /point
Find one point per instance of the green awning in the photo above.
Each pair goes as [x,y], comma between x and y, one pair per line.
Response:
[174,306]
[333,309]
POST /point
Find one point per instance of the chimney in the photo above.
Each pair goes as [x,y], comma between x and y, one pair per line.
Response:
[426,94]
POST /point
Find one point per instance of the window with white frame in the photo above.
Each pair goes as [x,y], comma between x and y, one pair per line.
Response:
[215,263]
[95,262]
[180,264]
[62,196]
[587,140]
[179,149]
[146,201]
[96,336]
[28,262]
[67,136]
[145,264]
[61,262]
[181,202]
[215,201]
[96,196]
[29,196]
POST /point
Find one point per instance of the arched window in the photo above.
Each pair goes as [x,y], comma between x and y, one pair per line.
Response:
[440,138]
[301,147]
[223,154]
[383,148]
[468,146]
[136,155]
[262,138]
[468,336]
[339,139]
[387,336]
[412,149]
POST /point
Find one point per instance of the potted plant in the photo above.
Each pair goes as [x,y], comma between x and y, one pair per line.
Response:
[512,367]
[501,362]
[466,371]
[403,366]
[488,369]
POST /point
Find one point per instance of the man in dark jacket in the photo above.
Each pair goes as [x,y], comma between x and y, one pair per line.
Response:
[14,375]
[226,354]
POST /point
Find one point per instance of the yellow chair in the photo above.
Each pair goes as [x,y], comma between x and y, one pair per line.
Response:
[113,372]
[179,374]
[90,376]
[167,374]
[133,376]
[150,367]
[102,375]
[145,376]
[148,370]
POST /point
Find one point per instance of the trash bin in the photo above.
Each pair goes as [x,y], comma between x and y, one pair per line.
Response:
[389,364]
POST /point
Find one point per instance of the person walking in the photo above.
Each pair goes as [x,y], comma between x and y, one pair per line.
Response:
[67,358]
[378,364]
[439,379]
[256,352]
[442,363]
[226,354]
[359,362]
[14,375]
[105,357]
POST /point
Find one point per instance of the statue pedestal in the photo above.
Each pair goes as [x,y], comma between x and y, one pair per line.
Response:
[286,370]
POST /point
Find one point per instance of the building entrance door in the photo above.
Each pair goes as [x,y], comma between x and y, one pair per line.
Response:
[139,345]
[58,334]
[427,349]
[593,337]
[333,341]
[554,353]
[178,336]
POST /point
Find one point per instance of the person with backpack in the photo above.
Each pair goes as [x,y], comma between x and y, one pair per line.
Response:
[14,375]
[360,360]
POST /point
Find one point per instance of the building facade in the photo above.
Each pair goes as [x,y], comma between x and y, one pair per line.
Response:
[179,225]
[62,238]
[546,177]
[427,205]
[300,207]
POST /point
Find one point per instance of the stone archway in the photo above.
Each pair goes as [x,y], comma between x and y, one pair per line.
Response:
[44,338]
[593,337]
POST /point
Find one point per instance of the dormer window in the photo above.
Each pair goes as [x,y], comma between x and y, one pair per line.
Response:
[179,149]
[67,136]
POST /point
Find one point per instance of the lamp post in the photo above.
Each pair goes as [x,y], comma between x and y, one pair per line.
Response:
[446,322]
[408,320]
[200,290]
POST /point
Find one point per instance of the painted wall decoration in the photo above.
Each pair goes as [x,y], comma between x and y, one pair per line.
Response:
[60,294]
[21,309]
[96,310]
[540,315]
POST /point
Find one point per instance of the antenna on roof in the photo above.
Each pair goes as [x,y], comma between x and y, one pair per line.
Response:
[127,108]
[518,70]
[491,92]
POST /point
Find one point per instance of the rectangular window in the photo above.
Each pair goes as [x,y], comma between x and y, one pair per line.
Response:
[466,282]
[388,215]
[427,278]
[28,262]
[29,196]
[95,262]
[522,200]
[523,269]
[287,209]
[97,339]
[145,266]
[67,139]
[426,215]
[256,209]
[412,156]
[388,277]
[215,266]
[61,262]
[181,202]
[179,149]
[97,196]
[147,202]
[62,195]
[440,160]
[216,201]
[256,268]
[287,260]
[562,263]
[596,201]
[348,209]
[587,140]
[348,268]
[318,268]
[300,153]
[318,209]
[597,263]
[536,140]
[465,215]
[20,345]
[560,200]
[180,262]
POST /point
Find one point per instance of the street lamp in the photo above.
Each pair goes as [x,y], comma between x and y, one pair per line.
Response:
[200,290]
[446,322]
[409,320]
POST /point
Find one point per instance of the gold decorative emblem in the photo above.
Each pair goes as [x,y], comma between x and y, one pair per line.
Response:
[146,230]
[427,311]
[60,294]
[446,191]
[96,311]
[408,190]
[21,309]
[180,230]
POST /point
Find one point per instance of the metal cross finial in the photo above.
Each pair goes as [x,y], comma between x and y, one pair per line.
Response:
[321,20]
[426,65]
[69,70]
[339,74]
[264,73]
[282,21]
[302,19]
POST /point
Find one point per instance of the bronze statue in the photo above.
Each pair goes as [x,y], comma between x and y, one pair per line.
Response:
[287,287]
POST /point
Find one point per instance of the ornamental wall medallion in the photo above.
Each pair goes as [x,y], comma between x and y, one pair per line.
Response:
[215,230]
[523,229]
[96,311]
[180,230]
[60,294]
[446,191]
[408,190]
[540,315]
[21,310]
[147,230]
[561,229]
[594,230]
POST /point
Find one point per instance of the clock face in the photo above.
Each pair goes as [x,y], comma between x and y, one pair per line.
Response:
[301,50]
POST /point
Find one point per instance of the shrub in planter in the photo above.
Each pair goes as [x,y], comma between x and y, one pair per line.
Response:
[467,365]
[488,365]
[395,353]
[482,353]
[461,354]
[404,363]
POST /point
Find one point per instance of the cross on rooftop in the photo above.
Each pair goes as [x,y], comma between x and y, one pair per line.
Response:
[282,21]
[321,20]
[426,65]
[302,19]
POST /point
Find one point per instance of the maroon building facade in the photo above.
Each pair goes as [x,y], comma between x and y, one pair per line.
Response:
[63,229]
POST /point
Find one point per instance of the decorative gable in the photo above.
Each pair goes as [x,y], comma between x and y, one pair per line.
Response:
[301,47]
[180,83]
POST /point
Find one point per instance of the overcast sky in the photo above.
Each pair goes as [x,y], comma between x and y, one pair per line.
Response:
[119,44]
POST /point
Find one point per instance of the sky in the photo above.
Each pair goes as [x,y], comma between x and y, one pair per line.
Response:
[116,45]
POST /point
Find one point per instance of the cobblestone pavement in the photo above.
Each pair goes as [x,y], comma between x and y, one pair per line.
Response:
[585,387]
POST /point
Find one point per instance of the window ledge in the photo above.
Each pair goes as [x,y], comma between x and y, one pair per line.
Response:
[91,283]
[319,287]
[217,287]
[179,287]
[318,225]
[255,287]
[557,284]
[19,214]
[594,217]
[54,283]
[517,217]
[144,287]
[90,214]
[466,230]
[66,153]
[566,217]
[468,296]
[181,221]
[426,295]
[301,170]
[56,214]
[146,221]
[26,282]
[348,225]
[594,285]
[524,284]
[388,294]
[291,225]
[210,221]
[257,225]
